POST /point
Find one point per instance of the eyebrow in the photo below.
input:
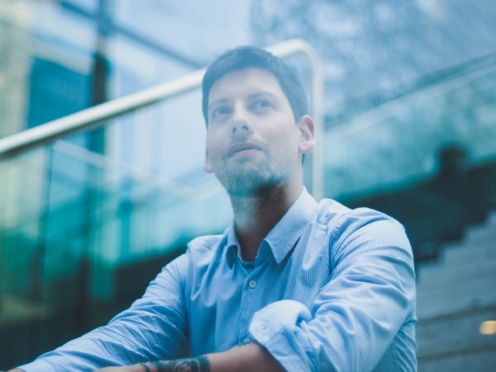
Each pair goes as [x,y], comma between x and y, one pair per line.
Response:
[252,96]
[261,94]
[218,102]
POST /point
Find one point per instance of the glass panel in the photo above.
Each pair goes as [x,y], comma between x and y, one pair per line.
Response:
[75,224]
[135,67]
[15,61]
[202,25]
[428,159]
[461,111]
[153,139]
[88,5]
[63,29]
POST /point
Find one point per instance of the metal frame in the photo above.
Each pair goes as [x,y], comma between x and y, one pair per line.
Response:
[95,116]
[107,24]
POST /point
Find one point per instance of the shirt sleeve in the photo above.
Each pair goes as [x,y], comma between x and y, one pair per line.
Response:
[153,328]
[357,314]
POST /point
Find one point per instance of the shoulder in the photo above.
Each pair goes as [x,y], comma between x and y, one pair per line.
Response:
[203,249]
[206,243]
[365,236]
[341,218]
[362,227]
[199,254]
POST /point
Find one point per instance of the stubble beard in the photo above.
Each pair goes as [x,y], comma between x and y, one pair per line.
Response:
[254,180]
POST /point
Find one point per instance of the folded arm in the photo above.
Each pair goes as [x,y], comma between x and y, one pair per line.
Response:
[352,322]
[247,358]
[154,327]
[356,316]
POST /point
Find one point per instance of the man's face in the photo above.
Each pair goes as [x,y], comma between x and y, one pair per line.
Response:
[253,141]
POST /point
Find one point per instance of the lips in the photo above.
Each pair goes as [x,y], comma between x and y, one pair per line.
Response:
[241,146]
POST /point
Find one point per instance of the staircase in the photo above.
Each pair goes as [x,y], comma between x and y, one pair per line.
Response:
[455,295]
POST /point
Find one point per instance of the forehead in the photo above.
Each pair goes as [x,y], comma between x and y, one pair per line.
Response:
[245,82]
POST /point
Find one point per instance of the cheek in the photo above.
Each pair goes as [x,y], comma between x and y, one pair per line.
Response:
[285,137]
[278,132]
[214,149]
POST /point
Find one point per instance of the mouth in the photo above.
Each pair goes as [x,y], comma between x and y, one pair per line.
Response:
[242,148]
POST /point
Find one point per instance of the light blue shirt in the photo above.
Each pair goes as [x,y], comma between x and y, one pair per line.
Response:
[331,289]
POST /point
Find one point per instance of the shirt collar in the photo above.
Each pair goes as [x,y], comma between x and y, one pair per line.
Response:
[284,235]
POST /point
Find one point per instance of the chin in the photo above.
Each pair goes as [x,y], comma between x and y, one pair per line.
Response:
[253,185]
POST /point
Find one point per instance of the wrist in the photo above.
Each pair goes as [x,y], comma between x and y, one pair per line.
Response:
[199,364]
[142,367]
[250,357]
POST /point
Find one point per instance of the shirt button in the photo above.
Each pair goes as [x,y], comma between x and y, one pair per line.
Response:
[253,283]
[246,341]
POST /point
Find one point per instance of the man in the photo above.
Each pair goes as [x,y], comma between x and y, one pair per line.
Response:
[291,284]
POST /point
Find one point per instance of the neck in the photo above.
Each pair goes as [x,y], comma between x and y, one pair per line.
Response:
[255,215]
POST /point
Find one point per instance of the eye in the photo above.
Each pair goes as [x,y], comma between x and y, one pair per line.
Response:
[222,110]
[261,104]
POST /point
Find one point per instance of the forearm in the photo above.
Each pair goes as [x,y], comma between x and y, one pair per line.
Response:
[250,357]
[247,358]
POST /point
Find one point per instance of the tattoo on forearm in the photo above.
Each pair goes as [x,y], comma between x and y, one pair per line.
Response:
[145,367]
[199,364]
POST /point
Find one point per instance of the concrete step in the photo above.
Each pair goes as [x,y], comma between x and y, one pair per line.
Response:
[463,278]
[454,276]
[468,250]
[477,247]
[472,263]
[450,331]
[453,299]
[485,231]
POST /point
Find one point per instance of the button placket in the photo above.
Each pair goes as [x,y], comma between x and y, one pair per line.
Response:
[246,301]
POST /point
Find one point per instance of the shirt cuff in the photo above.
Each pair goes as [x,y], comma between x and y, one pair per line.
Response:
[36,366]
[277,328]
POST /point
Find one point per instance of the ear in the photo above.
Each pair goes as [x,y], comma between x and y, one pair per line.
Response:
[207,167]
[307,134]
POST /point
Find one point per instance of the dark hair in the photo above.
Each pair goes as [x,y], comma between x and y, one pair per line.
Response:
[249,56]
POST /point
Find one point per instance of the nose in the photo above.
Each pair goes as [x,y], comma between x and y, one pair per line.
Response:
[240,121]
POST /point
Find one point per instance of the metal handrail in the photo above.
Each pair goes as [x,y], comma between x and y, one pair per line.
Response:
[95,117]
